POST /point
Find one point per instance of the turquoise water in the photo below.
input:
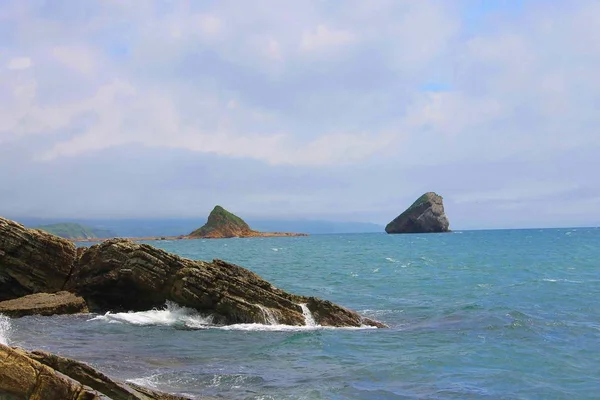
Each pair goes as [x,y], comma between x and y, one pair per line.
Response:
[473,315]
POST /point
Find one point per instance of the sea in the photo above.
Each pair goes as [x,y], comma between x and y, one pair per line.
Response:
[499,314]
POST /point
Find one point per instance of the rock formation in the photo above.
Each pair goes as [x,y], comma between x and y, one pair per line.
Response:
[32,261]
[122,275]
[43,376]
[119,274]
[424,216]
[223,224]
[43,304]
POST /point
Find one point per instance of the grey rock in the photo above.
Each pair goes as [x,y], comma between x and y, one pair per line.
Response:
[425,215]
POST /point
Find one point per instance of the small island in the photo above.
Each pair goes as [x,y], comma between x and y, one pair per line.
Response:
[425,215]
[222,224]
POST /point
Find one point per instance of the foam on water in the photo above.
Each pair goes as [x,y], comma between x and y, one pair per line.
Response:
[4,329]
[172,315]
[187,318]
[308,317]
[270,318]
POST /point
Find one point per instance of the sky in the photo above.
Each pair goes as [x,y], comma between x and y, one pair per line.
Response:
[310,109]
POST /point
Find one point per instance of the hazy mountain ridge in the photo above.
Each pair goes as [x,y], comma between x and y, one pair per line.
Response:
[72,230]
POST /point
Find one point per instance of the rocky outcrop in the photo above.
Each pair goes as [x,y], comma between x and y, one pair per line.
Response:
[122,275]
[425,215]
[44,304]
[223,224]
[32,261]
[43,376]
[24,378]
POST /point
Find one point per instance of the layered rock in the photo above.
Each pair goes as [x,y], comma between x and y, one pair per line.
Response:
[43,376]
[32,261]
[122,275]
[425,215]
[44,304]
[119,274]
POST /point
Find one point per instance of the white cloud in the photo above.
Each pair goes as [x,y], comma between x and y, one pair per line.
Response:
[78,58]
[323,38]
[18,63]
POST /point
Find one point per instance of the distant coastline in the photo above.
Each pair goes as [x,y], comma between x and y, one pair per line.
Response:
[186,237]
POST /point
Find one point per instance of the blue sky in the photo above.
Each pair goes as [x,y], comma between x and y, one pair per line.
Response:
[308,109]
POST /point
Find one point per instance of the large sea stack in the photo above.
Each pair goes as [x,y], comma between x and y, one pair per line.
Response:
[426,215]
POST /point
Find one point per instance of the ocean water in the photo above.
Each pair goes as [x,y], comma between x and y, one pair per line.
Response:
[508,314]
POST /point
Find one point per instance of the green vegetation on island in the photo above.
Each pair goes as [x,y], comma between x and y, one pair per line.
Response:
[222,223]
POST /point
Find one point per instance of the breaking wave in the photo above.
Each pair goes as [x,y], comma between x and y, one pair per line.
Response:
[187,318]
[4,329]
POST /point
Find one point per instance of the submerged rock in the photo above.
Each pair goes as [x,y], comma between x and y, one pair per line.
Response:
[122,275]
[39,375]
[425,215]
[44,304]
[32,261]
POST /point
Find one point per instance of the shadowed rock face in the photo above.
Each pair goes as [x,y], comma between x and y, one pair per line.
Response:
[39,375]
[43,304]
[425,215]
[121,275]
[32,261]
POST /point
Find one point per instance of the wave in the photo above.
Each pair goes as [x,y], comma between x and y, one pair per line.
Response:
[4,329]
[180,317]
[172,315]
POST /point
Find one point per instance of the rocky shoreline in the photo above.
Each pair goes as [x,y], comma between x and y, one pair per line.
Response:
[43,274]
[187,237]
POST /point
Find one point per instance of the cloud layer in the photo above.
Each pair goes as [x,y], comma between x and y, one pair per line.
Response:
[362,107]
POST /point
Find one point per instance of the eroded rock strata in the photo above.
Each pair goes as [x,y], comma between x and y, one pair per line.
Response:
[44,304]
[40,375]
[119,274]
[122,275]
[32,261]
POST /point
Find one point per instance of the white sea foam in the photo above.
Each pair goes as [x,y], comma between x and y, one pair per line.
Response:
[4,329]
[187,318]
[172,315]
[390,259]
[309,320]
[270,318]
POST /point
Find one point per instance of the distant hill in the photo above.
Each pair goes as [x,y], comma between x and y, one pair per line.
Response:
[71,230]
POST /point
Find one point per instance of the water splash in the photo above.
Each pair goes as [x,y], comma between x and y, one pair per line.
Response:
[268,315]
[309,320]
[4,329]
[172,315]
